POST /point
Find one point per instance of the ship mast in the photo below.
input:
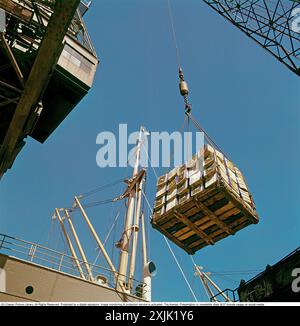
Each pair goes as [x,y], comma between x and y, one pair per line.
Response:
[124,281]
[134,194]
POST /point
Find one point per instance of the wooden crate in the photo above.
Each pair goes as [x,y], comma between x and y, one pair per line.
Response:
[206,218]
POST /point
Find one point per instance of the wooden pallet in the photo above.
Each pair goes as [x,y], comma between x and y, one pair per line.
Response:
[206,218]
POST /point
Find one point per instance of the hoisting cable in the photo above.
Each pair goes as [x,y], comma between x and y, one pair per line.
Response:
[171,17]
[184,92]
[183,86]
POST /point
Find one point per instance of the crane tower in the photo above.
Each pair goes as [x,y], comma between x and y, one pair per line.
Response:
[274,25]
[47,65]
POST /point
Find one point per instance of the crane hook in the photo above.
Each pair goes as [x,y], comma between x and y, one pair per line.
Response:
[184,91]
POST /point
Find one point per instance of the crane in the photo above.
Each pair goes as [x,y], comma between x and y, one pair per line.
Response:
[47,65]
[274,25]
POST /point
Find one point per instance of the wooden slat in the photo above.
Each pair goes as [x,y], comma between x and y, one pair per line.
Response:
[172,238]
[222,210]
[212,200]
[198,231]
[172,224]
[251,215]
[191,212]
[242,225]
[229,213]
[213,217]
[190,232]
[186,232]
[205,218]
[205,222]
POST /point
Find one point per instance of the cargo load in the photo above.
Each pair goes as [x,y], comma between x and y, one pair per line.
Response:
[202,201]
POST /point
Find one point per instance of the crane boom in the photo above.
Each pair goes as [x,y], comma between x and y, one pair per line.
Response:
[274,25]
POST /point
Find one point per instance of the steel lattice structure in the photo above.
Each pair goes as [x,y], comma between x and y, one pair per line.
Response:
[46,55]
[273,24]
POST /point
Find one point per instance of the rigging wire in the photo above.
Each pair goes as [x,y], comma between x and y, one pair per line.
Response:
[147,201]
[243,272]
[173,254]
[50,233]
[114,239]
[66,250]
[97,203]
[202,282]
[149,161]
[186,118]
[209,139]
[91,204]
[205,289]
[100,188]
[170,249]
[189,150]
[108,235]
[181,270]
[227,279]
[57,240]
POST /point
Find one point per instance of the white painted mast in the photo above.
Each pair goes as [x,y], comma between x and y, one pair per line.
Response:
[124,275]
[135,229]
[125,242]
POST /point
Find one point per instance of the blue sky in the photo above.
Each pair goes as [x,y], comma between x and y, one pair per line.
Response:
[246,100]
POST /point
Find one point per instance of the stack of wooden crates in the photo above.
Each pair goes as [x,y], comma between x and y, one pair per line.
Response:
[203,201]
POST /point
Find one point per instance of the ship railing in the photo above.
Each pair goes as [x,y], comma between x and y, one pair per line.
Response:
[62,262]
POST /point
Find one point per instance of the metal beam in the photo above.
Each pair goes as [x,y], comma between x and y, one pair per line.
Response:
[39,77]
[10,87]
[271,24]
[9,101]
[17,10]
[12,59]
